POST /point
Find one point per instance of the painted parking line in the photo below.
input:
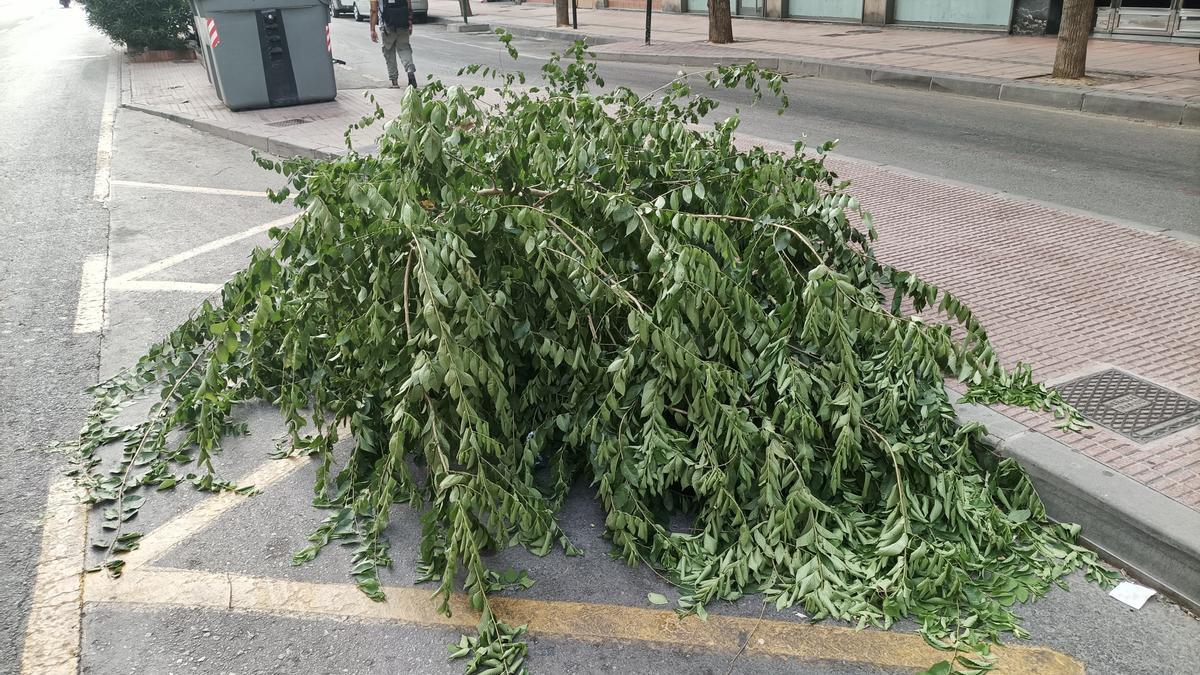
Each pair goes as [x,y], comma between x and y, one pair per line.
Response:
[145,585]
[94,284]
[192,189]
[89,312]
[199,517]
[104,145]
[158,286]
[208,247]
[53,631]
[589,622]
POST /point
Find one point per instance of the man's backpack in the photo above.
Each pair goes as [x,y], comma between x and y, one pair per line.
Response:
[394,13]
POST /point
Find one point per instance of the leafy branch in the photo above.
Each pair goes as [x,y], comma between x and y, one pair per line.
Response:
[579,283]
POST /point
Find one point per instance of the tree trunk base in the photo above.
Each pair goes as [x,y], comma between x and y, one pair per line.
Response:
[720,22]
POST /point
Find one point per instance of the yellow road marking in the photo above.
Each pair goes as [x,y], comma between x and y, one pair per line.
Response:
[571,620]
[89,312]
[52,633]
[146,585]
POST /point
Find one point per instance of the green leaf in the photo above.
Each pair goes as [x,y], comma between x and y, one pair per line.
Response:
[1018,516]
[657,598]
[939,668]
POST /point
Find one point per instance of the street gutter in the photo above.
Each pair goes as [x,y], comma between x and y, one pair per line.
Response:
[1151,536]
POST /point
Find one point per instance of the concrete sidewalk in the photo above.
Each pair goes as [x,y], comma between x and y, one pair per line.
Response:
[1152,81]
[1089,294]
[180,91]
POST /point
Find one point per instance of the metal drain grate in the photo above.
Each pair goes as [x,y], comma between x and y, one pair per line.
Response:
[1131,406]
[289,123]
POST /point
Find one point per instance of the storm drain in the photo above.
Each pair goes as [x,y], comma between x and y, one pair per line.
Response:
[1130,406]
[295,121]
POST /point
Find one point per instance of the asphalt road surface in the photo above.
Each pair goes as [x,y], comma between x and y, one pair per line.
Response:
[1137,171]
[53,73]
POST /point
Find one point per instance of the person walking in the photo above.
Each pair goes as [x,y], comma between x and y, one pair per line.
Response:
[395,21]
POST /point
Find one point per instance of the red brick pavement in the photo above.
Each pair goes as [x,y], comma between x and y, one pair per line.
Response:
[1068,293]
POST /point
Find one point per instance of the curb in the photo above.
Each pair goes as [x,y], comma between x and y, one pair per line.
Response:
[1150,535]
[559,34]
[1077,99]
[274,146]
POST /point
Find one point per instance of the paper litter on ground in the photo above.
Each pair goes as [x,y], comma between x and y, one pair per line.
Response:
[1132,594]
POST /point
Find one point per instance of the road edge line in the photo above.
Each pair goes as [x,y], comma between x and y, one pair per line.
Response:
[89,309]
[104,144]
[54,627]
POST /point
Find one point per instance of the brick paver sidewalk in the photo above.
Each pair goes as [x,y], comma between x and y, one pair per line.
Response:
[1066,292]
[1153,69]
[1069,293]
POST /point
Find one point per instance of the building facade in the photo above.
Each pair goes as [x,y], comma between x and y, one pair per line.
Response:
[1176,20]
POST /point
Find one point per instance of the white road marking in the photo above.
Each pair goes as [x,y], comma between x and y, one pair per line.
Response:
[53,631]
[491,47]
[157,286]
[105,143]
[85,57]
[196,519]
[189,188]
[89,313]
[200,250]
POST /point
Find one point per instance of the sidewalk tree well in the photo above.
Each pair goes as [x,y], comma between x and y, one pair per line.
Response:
[1070,57]
[143,24]
[720,22]
[583,283]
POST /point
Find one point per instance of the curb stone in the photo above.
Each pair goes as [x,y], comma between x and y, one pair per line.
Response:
[1150,535]
[261,142]
[1191,114]
[559,34]
[1133,105]
[1099,102]
[1129,524]
[1064,98]
[468,28]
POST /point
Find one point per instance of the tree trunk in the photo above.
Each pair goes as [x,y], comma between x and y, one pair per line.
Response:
[562,12]
[1071,58]
[720,23]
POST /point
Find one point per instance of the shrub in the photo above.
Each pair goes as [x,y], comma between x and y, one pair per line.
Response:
[143,24]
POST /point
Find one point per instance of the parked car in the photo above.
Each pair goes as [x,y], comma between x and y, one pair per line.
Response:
[341,7]
[361,9]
